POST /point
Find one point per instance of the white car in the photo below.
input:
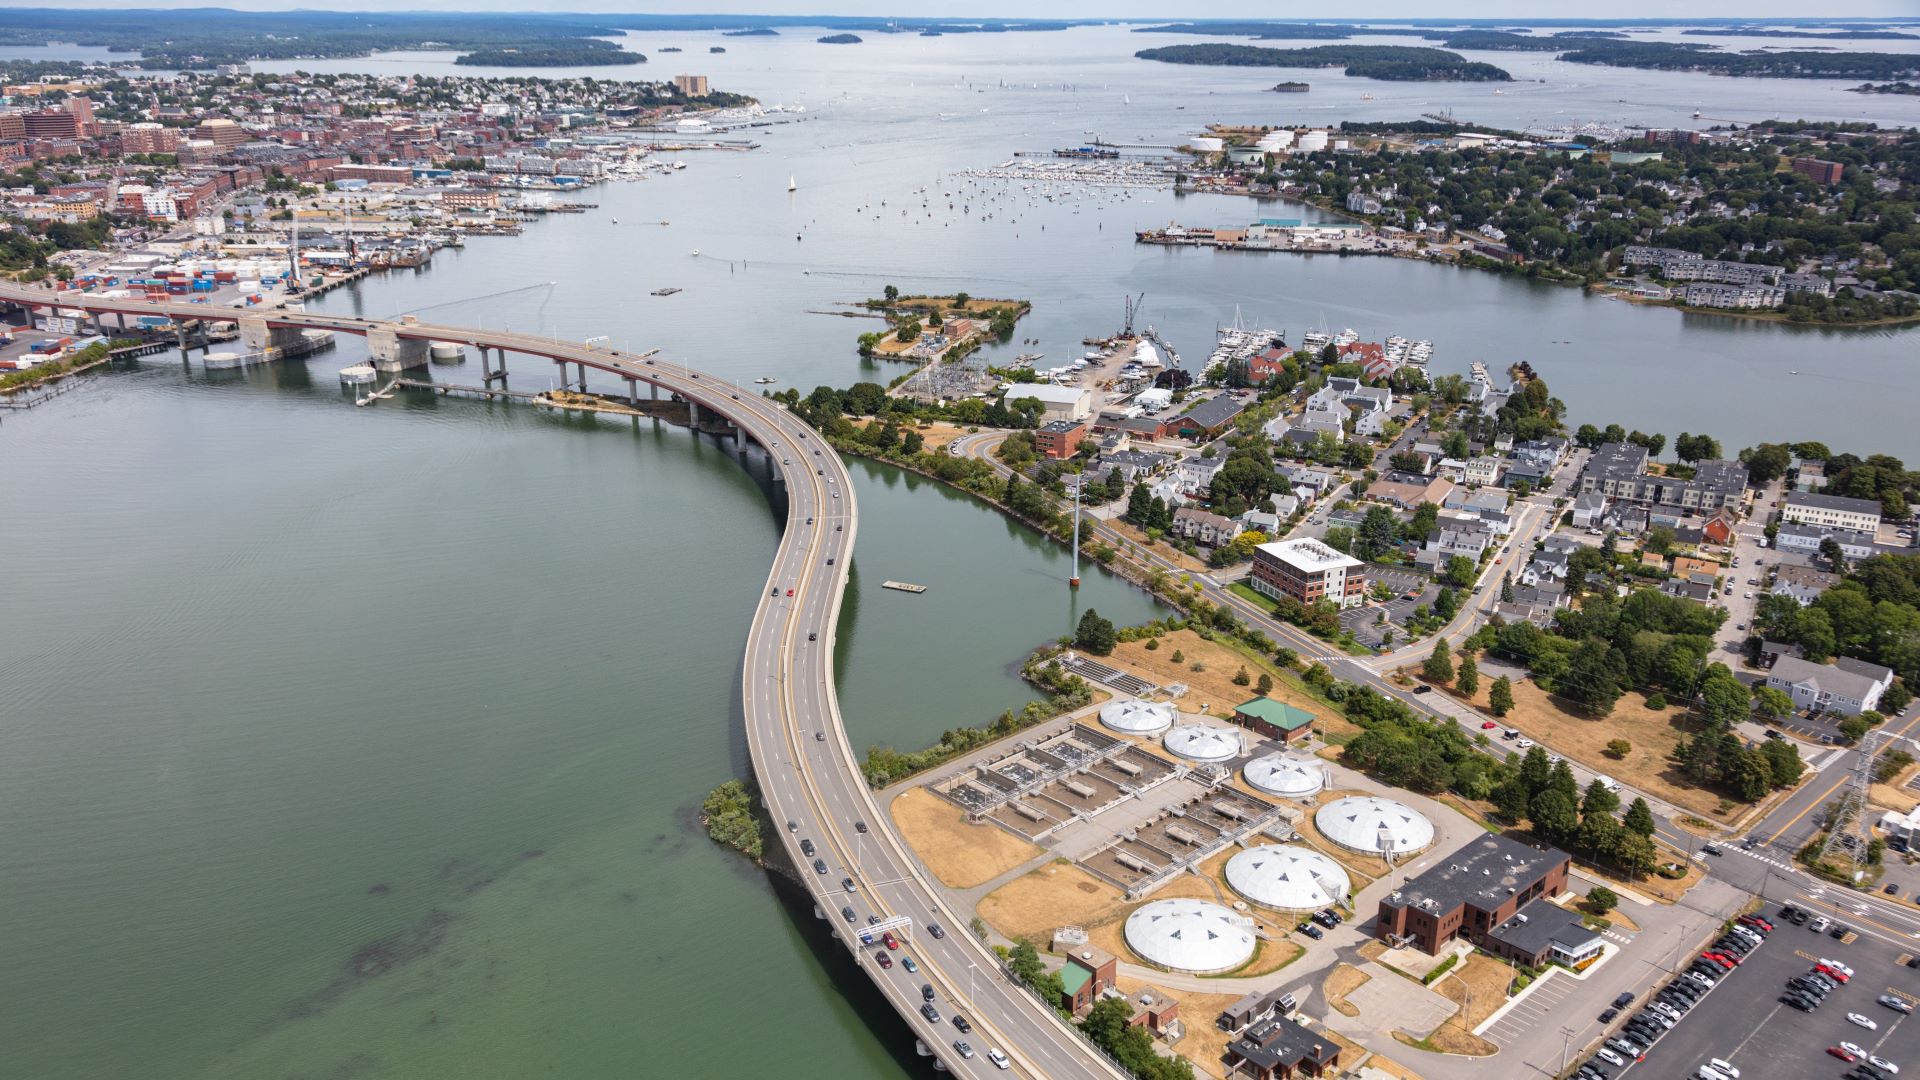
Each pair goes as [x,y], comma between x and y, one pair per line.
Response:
[1860,1021]
[999,1059]
[1610,1057]
[1883,1064]
[1854,1049]
[1724,1067]
[1525,744]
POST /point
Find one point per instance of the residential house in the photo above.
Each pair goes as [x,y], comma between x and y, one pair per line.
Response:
[1318,480]
[1545,566]
[1589,509]
[1204,528]
[1136,464]
[1369,405]
[1285,506]
[1533,475]
[1720,528]
[1803,583]
[1307,430]
[1449,540]
[1846,686]
[1195,473]
[1793,536]
[1810,476]
[1619,471]
[1262,521]
[1687,566]
[1207,419]
[1483,470]
[1406,492]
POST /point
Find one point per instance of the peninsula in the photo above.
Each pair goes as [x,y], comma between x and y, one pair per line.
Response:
[1392,63]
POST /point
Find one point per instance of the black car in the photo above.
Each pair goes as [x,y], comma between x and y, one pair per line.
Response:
[846,913]
[961,1023]
[1607,1016]
[1797,1003]
[859,826]
[1623,1000]
[1839,930]
[806,848]
[1643,1026]
[926,991]
[813,635]
[1788,911]
[932,1014]
[933,928]
[819,866]
[1312,931]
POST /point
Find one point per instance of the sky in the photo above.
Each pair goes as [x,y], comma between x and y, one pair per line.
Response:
[1518,10]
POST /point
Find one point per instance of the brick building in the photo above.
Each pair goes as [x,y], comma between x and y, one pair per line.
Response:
[1485,892]
[1060,438]
[1087,972]
[1282,1049]
[1307,570]
[1818,171]
[1274,719]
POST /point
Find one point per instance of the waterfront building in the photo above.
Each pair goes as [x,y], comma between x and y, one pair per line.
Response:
[1836,511]
[1059,438]
[691,85]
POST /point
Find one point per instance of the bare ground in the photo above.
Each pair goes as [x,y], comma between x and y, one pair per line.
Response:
[1214,685]
[1343,980]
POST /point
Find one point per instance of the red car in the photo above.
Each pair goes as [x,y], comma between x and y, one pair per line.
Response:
[1842,1053]
[1718,959]
[883,959]
[1832,973]
[789,592]
[1755,920]
[890,941]
[1488,725]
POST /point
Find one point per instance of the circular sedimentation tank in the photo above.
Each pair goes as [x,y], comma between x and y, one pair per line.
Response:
[1288,877]
[1190,935]
[1203,742]
[1285,775]
[1135,717]
[1374,826]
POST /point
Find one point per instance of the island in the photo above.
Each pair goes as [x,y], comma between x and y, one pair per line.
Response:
[716,49]
[559,54]
[1390,63]
[1290,87]
[671,48]
[839,39]
[756,31]
[1790,64]
[1886,88]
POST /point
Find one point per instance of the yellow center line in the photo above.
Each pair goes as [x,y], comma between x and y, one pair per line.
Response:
[1804,810]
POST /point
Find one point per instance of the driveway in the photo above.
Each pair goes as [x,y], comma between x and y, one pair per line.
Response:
[1387,1001]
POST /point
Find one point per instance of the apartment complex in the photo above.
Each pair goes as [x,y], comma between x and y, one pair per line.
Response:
[1307,570]
[1677,265]
[1619,471]
[1818,171]
[1833,511]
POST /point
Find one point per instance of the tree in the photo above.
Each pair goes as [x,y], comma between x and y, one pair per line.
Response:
[1467,677]
[1241,678]
[1696,447]
[1024,961]
[1500,696]
[1097,635]
[1783,762]
[1459,572]
[1536,772]
[1836,559]
[1598,799]
[1265,685]
[1766,463]
[892,292]
[1774,704]
[1601,900]
[1439,665]
[1639,818]
[1553,816]
[1591,680]
[1723,697]
[1511,800]
[1618,749]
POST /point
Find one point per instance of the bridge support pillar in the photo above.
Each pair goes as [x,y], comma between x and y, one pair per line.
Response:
[633,391]
[693,416]
[583,376]
[123,319]
[391,352]
[266,342]
[489,373]
[655,388]
[180,339]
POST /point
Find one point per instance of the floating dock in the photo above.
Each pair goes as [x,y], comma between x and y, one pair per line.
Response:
[903,586]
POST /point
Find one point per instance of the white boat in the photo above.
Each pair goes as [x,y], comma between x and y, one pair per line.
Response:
[792,185]
[696,253]
[616,221]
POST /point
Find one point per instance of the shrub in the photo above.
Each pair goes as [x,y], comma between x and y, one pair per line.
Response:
[1241,678]
[1656,700]
[1618,748]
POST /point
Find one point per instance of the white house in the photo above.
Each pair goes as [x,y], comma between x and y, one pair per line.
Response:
[1833,511]
[1846,686]
[1483,470]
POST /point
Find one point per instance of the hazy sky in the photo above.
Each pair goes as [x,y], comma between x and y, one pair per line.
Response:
[1518,10]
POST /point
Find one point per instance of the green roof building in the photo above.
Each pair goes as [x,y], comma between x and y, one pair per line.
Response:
[1274,719]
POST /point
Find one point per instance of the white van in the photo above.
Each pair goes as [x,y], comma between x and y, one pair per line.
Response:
[1608,782]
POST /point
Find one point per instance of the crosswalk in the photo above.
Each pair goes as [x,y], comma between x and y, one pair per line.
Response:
[1758,857]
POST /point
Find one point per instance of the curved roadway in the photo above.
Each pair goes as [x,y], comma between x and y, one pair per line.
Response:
[810,778]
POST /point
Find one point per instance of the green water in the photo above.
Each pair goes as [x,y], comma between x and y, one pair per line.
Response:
[346,742]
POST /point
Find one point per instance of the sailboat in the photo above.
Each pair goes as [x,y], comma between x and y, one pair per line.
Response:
[792,185]
[1125,100]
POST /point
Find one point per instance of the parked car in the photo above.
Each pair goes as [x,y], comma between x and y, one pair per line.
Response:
[1897,1004]
[1820,924]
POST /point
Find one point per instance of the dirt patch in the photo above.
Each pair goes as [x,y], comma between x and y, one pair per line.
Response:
[1214,685]
[1894,794]
[1059,894]
[1449,1039]
[1653,734]
[960,854]
[1478,986]
[976,305]
[1374,949]
[1391,1068]
[1205,1044]
[1343,980]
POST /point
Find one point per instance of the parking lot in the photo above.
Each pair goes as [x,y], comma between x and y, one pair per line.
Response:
[1363,622]
[1742,1021]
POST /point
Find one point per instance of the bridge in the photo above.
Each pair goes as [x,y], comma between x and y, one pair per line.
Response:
[810,777]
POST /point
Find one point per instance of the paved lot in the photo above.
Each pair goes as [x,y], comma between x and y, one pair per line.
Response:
[1743,1022]
[1391,1000]
[1540,1007]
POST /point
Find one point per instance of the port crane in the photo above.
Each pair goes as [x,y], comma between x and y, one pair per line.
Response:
[1133,304]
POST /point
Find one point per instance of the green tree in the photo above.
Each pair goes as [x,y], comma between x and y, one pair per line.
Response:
[1723,697]
[1783,762]
[1553,816]
[1601,900]
[1599,799]
[1265,685]
[1096,635]
[1639,818]
[1618,748]
[1774,704]
[1466,677]
[1459,573]
[1510,799]
[912,442]
[1023,960]
[1500,696]
[892,292]
[1439,665]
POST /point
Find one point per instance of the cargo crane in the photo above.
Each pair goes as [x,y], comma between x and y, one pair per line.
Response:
[1132,311]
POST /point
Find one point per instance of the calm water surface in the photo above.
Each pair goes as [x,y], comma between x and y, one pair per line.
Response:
[367,742]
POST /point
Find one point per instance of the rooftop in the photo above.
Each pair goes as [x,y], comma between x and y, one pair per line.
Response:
[1849,678]
[1484,872]
[1278,713]
[1309,555]
[1539,925]
[1832,502]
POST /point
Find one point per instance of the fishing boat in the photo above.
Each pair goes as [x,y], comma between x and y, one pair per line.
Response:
[763,380]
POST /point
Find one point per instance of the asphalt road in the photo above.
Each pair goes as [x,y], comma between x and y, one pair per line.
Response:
[809,775]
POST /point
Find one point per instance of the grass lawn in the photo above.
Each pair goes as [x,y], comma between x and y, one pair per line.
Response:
[960,854]
[1161,548]
[1214,685]
[1266,603]
[1344,980]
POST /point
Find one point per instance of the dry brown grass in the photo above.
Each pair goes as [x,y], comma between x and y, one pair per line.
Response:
[1205,1044]
[1391,1068]
[1058,894]
[1894,794]
[944,304]
[1486,978]
[1214,686]
[1343,980]
[962,855]
[1653,734]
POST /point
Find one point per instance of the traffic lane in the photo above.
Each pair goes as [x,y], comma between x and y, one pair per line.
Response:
[1743,1023]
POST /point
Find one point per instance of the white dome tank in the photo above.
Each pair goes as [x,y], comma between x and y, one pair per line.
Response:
[1190,935]
[1203,742]
[1132,716]
[1287,776]
[1289,877]
[1374,826]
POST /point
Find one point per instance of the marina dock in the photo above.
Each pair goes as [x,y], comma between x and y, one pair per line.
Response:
[902,586]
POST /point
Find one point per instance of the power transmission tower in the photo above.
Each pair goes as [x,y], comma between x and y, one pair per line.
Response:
[1848,830]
